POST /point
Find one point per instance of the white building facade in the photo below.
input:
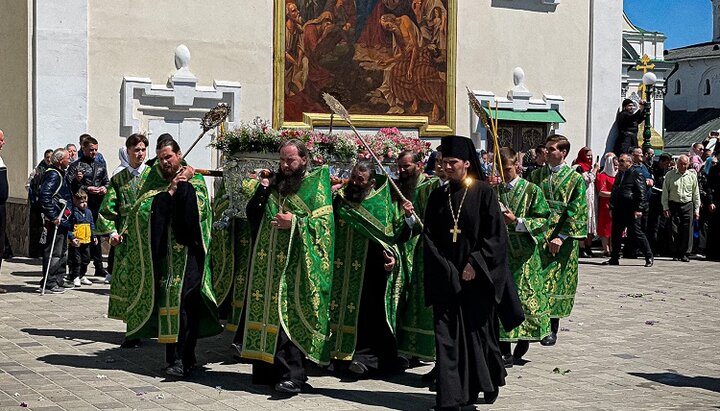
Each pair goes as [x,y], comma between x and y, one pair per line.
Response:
[68,67]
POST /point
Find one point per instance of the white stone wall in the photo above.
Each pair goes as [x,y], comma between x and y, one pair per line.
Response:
[692,75]
[230,40]
[61,73]
[605,72]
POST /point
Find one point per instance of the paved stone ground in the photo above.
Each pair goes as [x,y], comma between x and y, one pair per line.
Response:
[638,339]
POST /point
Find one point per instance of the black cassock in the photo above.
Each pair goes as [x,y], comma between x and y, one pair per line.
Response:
[180,212]
[466,313]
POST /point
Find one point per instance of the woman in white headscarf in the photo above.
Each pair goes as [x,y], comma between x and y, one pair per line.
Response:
[603,185]
[124,163]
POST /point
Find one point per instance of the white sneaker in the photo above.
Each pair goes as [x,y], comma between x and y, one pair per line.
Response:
[85,281]
[76,282]
[108,278]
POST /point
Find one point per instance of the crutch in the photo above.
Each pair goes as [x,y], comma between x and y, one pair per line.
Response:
[52,246]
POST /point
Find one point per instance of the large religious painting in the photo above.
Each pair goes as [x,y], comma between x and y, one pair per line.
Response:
[389,62]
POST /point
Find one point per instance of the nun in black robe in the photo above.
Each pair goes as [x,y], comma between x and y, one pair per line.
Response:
[466,312]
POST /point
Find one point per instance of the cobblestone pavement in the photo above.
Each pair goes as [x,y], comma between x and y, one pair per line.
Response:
[638,339]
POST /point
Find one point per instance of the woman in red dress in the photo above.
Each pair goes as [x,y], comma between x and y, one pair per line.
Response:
[603,186]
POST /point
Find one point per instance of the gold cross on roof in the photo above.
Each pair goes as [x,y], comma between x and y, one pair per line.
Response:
[257,295]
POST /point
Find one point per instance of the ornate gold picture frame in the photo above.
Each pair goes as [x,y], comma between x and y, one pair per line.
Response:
[390,62]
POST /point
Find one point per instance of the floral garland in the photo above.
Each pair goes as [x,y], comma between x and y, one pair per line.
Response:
[259,137]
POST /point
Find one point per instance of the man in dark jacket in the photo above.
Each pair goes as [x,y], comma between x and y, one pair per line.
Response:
[90,175]
[656,225]
[627,121]
[627,204]
[3,198]
[56,203]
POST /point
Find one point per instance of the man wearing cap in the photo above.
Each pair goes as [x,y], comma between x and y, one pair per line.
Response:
[627,121]
[467,280]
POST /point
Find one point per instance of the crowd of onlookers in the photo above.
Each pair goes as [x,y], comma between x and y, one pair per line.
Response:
[643,203]
[640,203]
[65,192]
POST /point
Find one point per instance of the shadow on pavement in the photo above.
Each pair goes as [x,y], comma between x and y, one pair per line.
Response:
[26,273]
[386,399]
[679,380]
[81,336]
[24,260]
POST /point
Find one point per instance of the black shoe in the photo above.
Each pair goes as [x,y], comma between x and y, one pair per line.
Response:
[287,387]
[611,261]
[583,253]
[403,363]
[430,376]
[176,369]
[101,272]
[549,340]
[358,369]
[521,348]
[130,343]
[649,262]
[684,259]
[237,347]
[508,360]
[490,397]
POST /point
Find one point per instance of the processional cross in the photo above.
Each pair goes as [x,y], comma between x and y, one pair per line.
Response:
[644,66]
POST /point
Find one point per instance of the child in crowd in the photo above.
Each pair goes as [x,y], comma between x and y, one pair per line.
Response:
[80,238]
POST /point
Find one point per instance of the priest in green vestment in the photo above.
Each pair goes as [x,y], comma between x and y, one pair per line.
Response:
[120,197]
[564,191]
[364,234]
[415,334]
[526,215]
[231,252]
[167,233]
[291,272]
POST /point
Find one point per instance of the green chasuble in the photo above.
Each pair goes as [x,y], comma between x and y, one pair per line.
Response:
[356,225]
[291,273]
[230,251]
[222,263]
[120,196]
[150,312]
[527,202]
[416,331]
[565,194]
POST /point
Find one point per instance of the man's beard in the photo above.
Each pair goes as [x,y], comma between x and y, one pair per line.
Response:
[287,185]
[169,174]
[407,184]
[355,193]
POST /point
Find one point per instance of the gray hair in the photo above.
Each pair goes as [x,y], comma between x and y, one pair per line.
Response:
[58,156]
